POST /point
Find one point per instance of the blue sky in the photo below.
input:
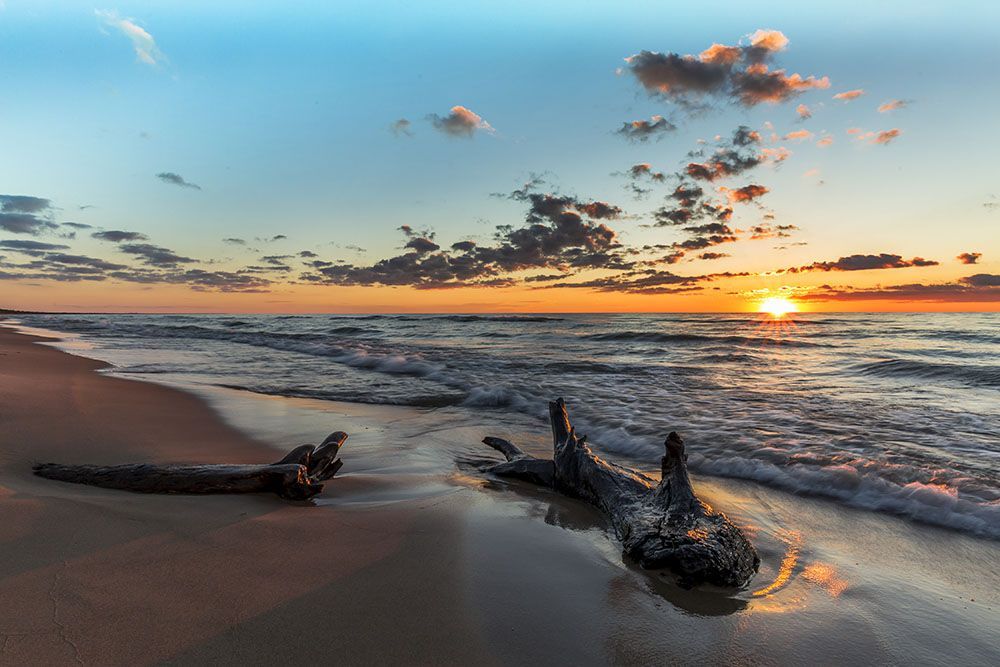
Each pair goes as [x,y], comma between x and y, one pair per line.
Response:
[280,112]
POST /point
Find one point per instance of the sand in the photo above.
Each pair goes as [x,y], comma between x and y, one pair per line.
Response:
[412,558]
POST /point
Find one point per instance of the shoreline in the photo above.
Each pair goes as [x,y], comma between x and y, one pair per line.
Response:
[414,559]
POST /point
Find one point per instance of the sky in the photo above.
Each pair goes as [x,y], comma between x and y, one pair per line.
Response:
[498,156]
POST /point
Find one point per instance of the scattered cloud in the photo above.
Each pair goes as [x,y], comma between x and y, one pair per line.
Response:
[892,105]
[116,236]
[803,111]
[740,73]
[176,179]
[865,263]
[849,95]
[21,214]
[643,130]
[145,46]
[799,134]
[154,255]
[979,288]
[401,128]
[234,241]
[969,257]
[886,136]
[460,122]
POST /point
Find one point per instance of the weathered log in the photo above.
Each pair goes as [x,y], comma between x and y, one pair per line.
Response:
[661,525]
[297,476]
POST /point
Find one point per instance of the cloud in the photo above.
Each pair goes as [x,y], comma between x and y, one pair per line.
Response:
[885,136]
[234,241]
[24,204]
[560,232]
[892,105]
[401,128]
[460,122]
[769,231]
[643,130]
[31,245]
[849,95]
[865,263]
[712,255]
[154,255]
[747,193]
[799,134]
[969,257]
[824,142]
[176,179]
[21,214]
[116,236]
[979,288]
[76,225]
[143,43]
[803,111]
[737,73]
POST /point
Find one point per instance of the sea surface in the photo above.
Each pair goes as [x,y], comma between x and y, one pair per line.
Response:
[897,413]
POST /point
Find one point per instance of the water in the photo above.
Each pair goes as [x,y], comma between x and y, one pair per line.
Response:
[897,413]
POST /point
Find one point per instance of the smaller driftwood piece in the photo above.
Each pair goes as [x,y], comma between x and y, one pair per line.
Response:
[299,475]
[661,525]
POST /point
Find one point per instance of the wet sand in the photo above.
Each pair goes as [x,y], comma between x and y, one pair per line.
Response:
[411,556]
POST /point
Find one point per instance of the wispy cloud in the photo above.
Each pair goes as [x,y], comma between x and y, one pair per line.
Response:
[849,95]
[143,43]
[176,179]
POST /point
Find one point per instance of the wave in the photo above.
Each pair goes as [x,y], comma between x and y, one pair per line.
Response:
[661,337]
[984,376]
[926,502]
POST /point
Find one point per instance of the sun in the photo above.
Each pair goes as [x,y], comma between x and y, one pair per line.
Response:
[777,307]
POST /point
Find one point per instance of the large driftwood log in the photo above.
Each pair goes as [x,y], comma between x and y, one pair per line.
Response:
[299,475]
[662,525]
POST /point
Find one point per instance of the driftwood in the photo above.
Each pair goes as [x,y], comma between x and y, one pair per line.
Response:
[299,475]
[662,525]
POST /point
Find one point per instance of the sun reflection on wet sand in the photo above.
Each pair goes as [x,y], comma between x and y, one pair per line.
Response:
[793,540]
[825,575]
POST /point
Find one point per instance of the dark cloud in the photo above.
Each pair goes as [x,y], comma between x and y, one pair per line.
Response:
[769,231]
[31,245]
[154,255]
[25,223]
[22,214]
[24,204]
[979,288]
[644,130]
[176,179]
[401,128]
[982,280]
[747,193]
[712,255]
[76,225]
[740,73]
[118,236]
[865,263]
[560,232]
[234,241]
[969,257]
[307,254]
[460,122]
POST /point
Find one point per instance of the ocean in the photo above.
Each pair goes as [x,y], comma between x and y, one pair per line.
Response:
[896,413]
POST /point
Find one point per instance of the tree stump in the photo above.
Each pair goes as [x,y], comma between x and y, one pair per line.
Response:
[661,525]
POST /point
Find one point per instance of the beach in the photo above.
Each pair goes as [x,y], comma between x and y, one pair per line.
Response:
[412,555]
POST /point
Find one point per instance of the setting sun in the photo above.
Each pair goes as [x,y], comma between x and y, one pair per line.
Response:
[777,307]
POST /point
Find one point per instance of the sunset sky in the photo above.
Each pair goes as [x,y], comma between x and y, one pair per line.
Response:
[499,156]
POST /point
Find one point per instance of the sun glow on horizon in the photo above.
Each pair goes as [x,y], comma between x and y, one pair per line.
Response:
[777,307]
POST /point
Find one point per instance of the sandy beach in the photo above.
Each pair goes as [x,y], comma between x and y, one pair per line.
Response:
[411,556]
